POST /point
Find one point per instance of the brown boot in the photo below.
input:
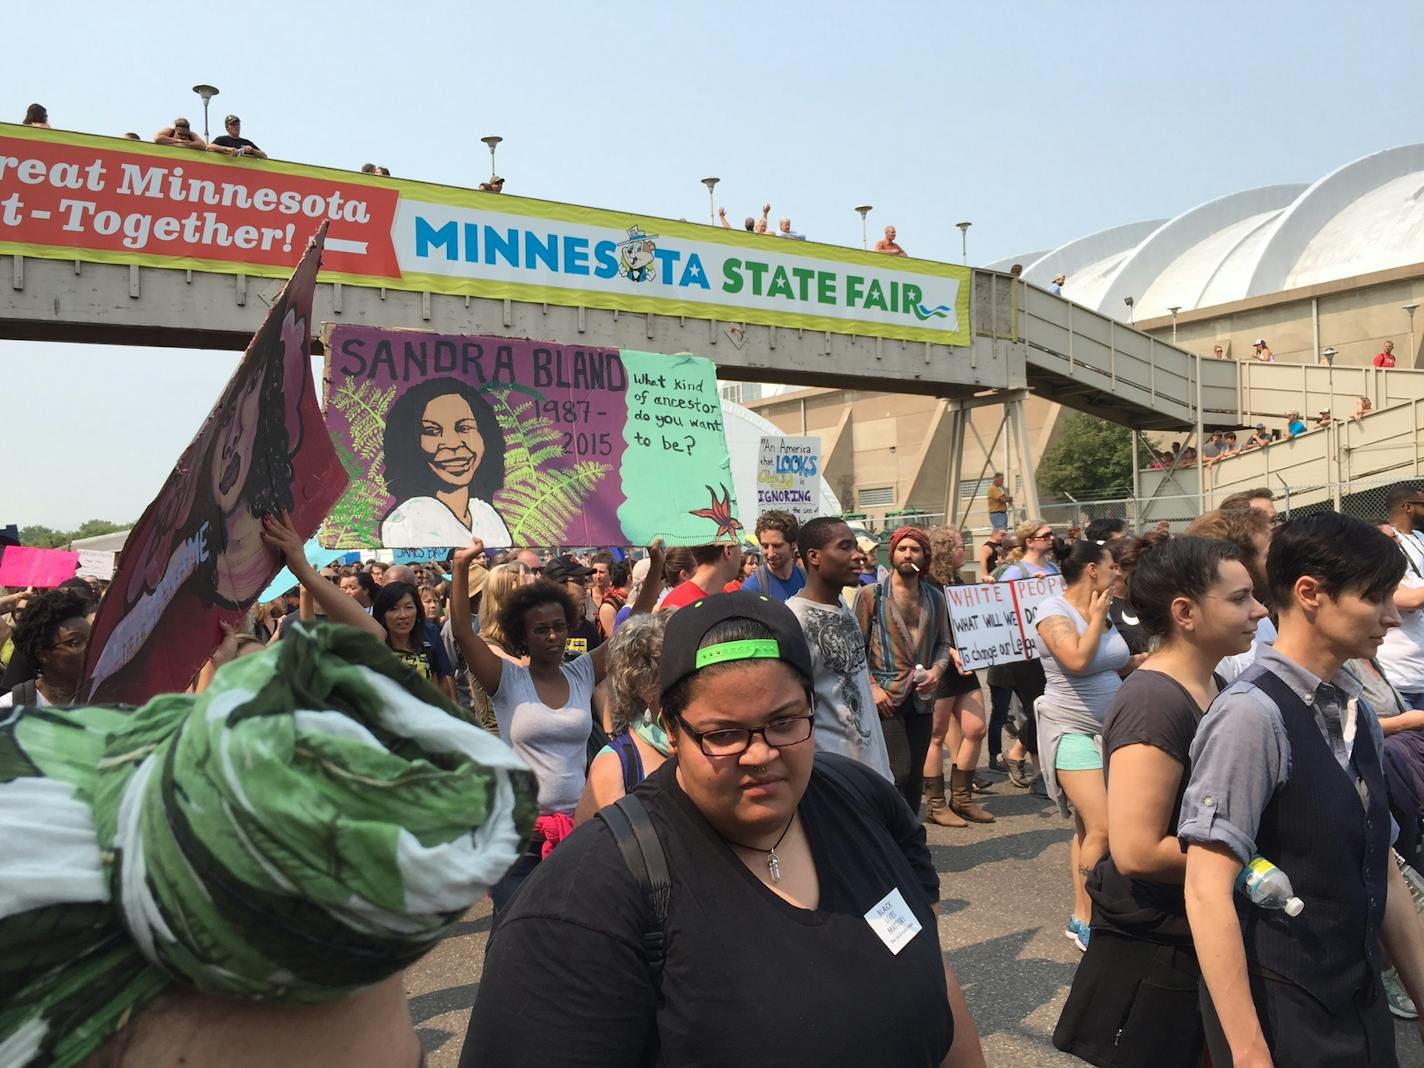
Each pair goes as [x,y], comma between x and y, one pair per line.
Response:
[938,811]
[961,796]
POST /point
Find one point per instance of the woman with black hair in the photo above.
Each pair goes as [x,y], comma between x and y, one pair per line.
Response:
[1135,996]
[53,632]
[545,709]
[800,921]
[399,611]
[444,457]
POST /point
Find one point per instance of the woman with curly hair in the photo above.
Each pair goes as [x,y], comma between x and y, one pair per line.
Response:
[638,744]
[53,632]
[544,709]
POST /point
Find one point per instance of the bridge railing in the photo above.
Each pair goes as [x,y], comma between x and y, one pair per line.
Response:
[1103,354]
[1272,389]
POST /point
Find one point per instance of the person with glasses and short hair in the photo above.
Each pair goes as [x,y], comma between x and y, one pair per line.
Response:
[800,913]
[180,135]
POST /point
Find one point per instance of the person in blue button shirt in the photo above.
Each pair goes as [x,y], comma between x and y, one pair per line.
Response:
[1287,765]
[780,576]
[1295,425]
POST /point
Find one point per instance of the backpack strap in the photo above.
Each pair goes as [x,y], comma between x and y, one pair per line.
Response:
[637,840]
[26,694]
[627,751]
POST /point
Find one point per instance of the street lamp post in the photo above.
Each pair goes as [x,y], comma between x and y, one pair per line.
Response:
[864,210]
[1174,309]
[1411,309]
[493,141]
[207,92]
[964,241]
[1129,302]
[711,184]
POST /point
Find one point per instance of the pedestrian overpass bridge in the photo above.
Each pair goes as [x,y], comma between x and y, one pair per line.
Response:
[1019,338]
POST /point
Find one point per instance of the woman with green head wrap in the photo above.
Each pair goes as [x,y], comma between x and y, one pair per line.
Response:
[255,865]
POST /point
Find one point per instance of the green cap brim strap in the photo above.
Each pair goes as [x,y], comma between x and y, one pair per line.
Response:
[750,649]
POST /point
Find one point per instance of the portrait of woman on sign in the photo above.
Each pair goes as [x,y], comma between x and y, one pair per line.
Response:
[444,461]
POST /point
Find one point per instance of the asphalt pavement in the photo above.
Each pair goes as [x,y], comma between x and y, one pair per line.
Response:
[1004,902]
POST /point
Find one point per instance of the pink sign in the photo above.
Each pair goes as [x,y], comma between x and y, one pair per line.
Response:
[23,565]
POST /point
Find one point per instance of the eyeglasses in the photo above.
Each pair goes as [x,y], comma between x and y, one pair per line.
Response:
[1041,537]
[733,741]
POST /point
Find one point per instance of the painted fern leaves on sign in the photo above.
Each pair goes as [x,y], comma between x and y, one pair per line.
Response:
[539,503]
[354,521]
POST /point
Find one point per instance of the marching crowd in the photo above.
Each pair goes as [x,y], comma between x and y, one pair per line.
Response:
[733,754]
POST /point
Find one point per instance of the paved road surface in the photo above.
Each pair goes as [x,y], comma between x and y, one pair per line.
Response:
[1004,890]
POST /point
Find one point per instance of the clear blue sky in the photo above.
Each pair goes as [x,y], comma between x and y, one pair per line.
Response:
[1040,122]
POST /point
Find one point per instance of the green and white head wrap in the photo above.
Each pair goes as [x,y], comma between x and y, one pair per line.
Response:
[311,824]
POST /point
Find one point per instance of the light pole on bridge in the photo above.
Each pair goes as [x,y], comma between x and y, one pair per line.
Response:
[711,184]
[864,210]
[1411,309]
[493,141]
[207,92]
[964,241]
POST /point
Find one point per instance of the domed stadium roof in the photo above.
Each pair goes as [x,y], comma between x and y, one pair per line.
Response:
[1365,216]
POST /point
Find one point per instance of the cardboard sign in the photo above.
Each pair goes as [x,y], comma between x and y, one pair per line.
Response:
[96,563]
[789,476]
[197,555]
[994,621]
[522,443]
[24,565]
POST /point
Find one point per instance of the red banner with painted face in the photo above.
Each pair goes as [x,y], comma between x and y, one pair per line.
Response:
[197,555]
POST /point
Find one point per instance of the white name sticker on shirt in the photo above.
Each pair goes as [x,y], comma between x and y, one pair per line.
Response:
[893,921]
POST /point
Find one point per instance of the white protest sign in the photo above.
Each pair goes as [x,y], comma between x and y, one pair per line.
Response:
[789,476]
[96,563]
[993,621]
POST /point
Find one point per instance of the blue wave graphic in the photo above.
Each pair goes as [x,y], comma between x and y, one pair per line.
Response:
[941,311]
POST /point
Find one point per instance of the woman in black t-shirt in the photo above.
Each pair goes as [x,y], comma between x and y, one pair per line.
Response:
[398,609]
[1134,999]
[800,927]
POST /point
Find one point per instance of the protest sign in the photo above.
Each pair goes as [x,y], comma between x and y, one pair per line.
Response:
[994,621]
[24,565]
[789,476]
[102,199]
[522,442]
[96,563]
[434,554]
[196,556]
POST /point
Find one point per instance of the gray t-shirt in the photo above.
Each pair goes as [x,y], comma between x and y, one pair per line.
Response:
[1093,689]
[552,741]
[846,720]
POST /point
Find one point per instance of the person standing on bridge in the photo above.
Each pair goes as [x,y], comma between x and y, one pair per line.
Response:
[1194,597]
[999,502]
[1056,286]
[233,143]
[1262,351]
[887,244]
[1385,357]
[180,135]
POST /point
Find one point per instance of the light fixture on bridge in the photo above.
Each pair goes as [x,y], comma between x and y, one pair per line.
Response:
[493,141]
[1327,356]
[864,210]
[207,92]
[711,184]
[1129,302]
[1174,309]
[1411,309]
[964,241]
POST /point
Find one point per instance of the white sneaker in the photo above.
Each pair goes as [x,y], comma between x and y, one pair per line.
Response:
[1400,1003]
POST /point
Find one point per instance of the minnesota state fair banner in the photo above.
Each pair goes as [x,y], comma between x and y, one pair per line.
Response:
[197,556]
[102,199]
[521,442]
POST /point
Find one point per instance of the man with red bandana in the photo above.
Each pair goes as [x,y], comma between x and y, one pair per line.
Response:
[905,623]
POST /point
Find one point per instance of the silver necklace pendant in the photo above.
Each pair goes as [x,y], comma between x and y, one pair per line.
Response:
[773,865]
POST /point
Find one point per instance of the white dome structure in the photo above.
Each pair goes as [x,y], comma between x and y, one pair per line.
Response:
[1364,217]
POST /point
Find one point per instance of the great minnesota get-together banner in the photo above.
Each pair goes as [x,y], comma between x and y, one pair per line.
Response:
[102,199]
[522,442]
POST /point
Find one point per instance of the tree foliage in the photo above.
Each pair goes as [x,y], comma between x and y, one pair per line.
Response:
[1092,459]
[48,538]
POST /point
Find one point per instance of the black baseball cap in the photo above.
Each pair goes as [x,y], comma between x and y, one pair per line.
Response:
[683,657]
[563,568]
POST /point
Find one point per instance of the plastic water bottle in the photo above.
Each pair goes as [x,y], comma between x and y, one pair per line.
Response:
[919,676]
[1268,887]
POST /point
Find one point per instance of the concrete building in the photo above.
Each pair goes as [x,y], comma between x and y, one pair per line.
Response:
[1335,264]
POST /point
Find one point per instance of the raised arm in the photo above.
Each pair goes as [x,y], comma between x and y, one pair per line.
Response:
[647,598]
[485,664]
[1072,650]
[278,532]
